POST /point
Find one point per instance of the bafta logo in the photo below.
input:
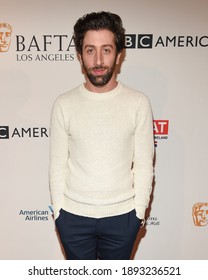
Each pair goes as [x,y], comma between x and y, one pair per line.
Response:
[200,213]
[5,36]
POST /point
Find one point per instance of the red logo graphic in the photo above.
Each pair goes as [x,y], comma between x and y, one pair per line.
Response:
[161,129]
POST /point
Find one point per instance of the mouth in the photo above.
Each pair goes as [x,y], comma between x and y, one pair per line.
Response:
[99,71]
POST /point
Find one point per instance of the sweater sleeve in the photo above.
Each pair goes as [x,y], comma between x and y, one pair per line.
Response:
[143,157]
[58,157]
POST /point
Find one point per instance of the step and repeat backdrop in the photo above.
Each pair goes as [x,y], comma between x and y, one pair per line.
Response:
[166,58]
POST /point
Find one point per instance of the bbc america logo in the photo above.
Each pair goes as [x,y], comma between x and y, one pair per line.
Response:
[4,132]
[147,41]
[140,41]
[7,132]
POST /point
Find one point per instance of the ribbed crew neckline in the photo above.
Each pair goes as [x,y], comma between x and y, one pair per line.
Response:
[100,96]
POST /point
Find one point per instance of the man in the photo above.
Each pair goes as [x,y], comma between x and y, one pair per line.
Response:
[101,150]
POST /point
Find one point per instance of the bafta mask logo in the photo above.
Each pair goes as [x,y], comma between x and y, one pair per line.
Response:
[200,213]
[5,36]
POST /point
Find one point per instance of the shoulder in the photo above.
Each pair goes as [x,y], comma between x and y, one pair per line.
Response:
[67,96]
[65,100]
[135,96]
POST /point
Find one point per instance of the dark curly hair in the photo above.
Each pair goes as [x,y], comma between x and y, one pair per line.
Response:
[99,21]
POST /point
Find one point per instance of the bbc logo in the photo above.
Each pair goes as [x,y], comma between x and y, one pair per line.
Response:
[4,132]
[140,41]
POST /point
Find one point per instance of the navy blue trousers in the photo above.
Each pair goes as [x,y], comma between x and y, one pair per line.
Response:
[110,238]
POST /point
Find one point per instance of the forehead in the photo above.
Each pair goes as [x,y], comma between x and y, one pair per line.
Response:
[99,38]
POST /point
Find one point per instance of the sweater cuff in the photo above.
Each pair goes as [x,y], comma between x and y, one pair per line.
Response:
[140,213]
[56,213]
[56,210]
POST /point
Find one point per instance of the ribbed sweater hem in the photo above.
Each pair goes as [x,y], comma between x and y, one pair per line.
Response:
[98,211]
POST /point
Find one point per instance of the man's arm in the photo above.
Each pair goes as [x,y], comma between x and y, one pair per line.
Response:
[143,157]
[59,154]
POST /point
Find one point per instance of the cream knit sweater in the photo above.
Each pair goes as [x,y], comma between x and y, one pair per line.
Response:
[101,152]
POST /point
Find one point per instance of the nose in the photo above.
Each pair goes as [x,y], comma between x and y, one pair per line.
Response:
[99,58]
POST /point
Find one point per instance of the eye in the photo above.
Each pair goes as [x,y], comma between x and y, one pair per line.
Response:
[90,51]
[106,50]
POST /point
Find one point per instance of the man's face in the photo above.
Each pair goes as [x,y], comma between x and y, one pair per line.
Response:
[99,57]
[5,39]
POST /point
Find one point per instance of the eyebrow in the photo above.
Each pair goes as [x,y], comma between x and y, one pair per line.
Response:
[103,46]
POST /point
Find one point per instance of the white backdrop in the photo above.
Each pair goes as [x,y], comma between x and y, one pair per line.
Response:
[168,62]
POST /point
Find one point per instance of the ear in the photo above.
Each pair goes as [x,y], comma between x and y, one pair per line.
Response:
[80,58]
[118,58]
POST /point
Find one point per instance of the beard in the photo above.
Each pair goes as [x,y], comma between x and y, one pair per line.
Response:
[100,80]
